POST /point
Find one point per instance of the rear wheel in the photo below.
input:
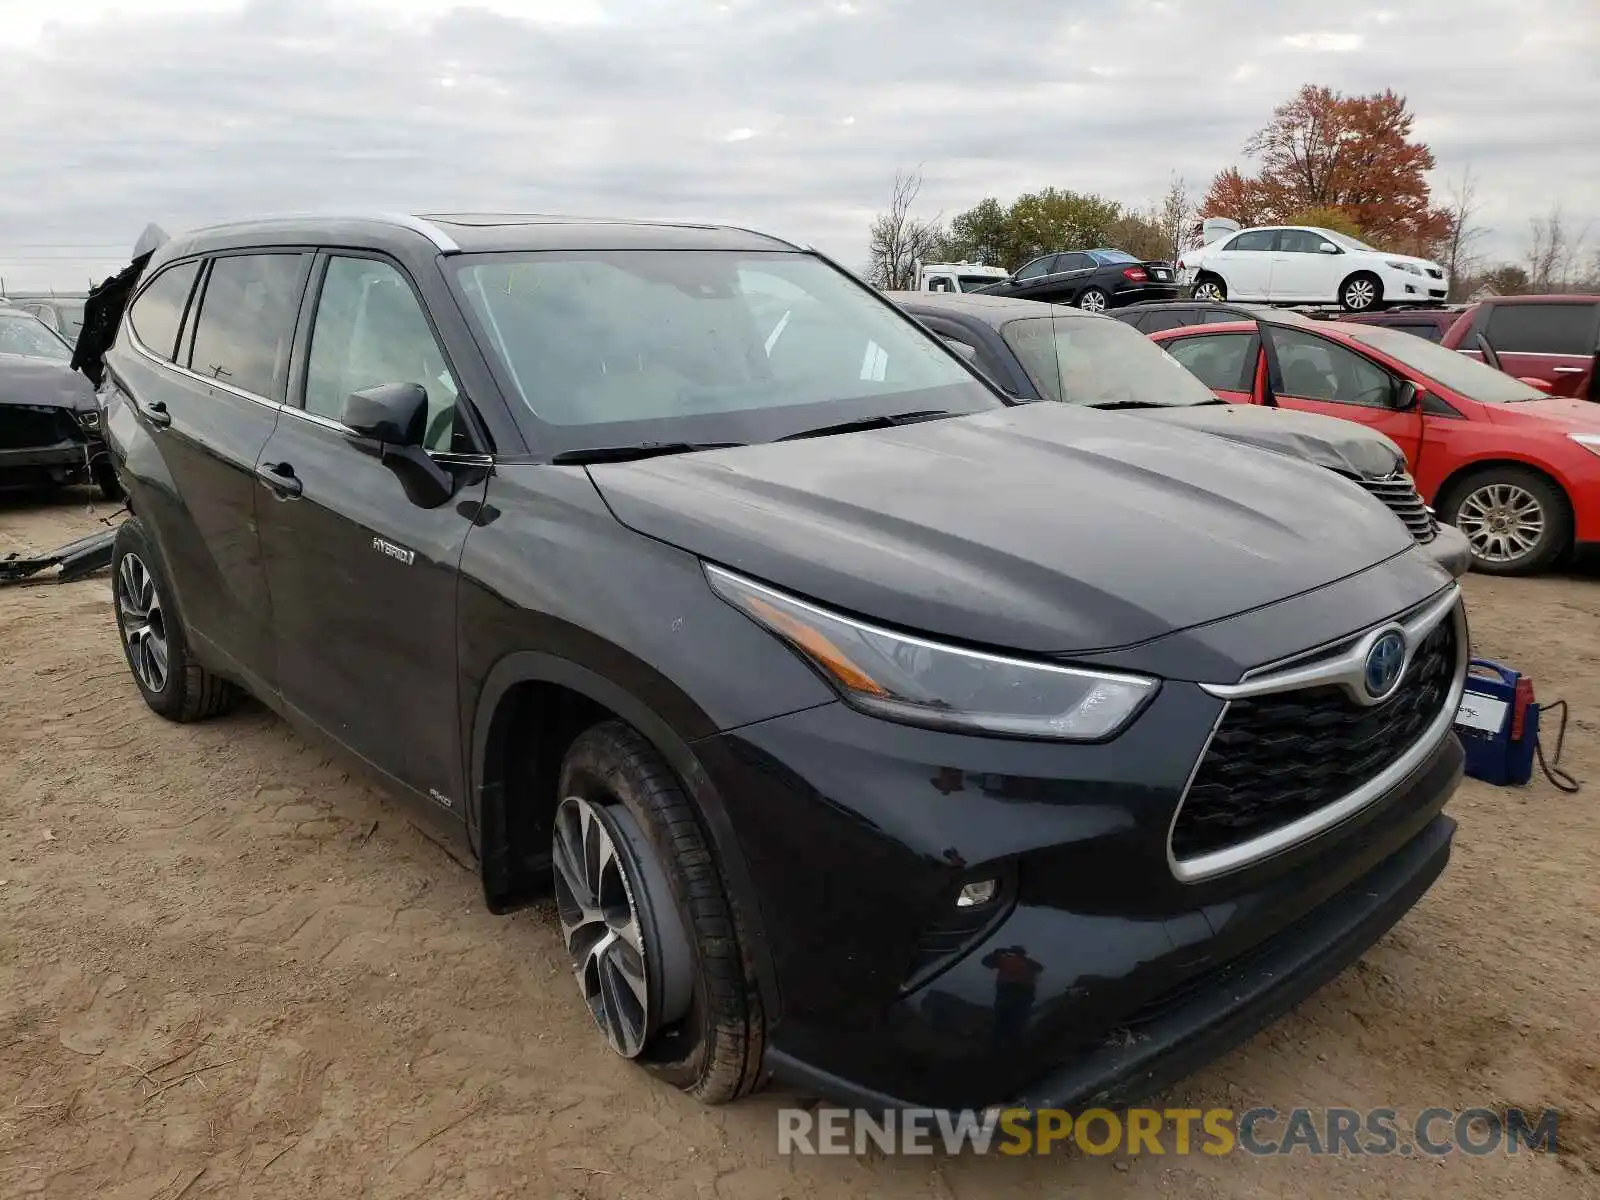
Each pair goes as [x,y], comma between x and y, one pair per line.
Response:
[1094,300]
[1516,521]
[1362,292]
[1210,287]
[169,678]
[646,920]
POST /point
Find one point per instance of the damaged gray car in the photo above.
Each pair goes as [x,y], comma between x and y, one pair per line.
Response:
[49,415]
[1034,351]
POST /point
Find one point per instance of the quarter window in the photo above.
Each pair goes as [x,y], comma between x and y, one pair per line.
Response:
[1216,359]
[1316,369]
[370,330]
[1543,328]
[247,320]
[157,313]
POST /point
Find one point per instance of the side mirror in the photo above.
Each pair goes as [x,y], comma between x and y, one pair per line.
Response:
[1327,248]
[395,414]
[1408,396]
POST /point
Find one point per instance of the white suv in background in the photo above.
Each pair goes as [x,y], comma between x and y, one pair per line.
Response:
[1296,264]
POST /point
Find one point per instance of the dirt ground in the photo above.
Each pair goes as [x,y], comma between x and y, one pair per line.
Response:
[227,968]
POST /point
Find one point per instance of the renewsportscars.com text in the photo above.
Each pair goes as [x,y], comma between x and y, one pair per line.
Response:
[1263,1131]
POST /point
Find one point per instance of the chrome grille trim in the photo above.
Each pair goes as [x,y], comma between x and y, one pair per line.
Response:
[1399,493]
[1328,669]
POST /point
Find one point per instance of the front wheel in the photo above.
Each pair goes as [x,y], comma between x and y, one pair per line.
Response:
[1362,292]
[646,920]
[1094,300]
[1211,289]
[1517,522]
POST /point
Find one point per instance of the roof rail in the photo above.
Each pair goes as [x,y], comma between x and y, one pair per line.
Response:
[442,240]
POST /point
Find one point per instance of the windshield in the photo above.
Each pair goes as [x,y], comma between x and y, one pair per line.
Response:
[622,346]
[1096,362]
[1457,371]
[1106,257]
[1339,239]
[25,335]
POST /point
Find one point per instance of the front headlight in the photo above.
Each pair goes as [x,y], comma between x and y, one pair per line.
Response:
[1408,268]
[1589,441]
[908,679]
[90,419]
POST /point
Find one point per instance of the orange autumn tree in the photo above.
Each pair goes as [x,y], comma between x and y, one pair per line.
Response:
[1352,154]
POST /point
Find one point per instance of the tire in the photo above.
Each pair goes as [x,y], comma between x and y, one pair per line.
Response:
[700,1026]
[105,478]
[1474,502]
[181,689]
[1094,300]
[1209,287]
[1361,293]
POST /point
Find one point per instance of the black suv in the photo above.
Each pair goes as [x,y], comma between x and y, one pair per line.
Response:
[874,731]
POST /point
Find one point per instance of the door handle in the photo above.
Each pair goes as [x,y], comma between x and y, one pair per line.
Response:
[1567,370]
[157,413]
[280,477]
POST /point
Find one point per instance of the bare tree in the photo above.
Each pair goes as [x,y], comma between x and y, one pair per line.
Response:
[1460,259]
[898,240]
[1556,252]
[1177,217]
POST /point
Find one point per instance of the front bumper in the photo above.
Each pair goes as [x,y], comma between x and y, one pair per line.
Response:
[1098,973]
[64,462]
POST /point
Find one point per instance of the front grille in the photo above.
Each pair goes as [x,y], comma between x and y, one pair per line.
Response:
[1400,494]
[1279,757]
[25,426]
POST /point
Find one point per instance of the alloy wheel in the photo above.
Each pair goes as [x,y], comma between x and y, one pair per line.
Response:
[1208,291]
[1503,522]
[1360,295]
[1092,301]
[142,620]
[598,897]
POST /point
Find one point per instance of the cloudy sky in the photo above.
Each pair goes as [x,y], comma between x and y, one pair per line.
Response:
[790,115]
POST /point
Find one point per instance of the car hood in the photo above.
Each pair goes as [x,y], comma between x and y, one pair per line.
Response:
[40,381]
[1042,528]
[1575,416]
[1338,445]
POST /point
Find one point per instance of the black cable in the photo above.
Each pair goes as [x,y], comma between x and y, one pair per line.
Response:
[1552,769]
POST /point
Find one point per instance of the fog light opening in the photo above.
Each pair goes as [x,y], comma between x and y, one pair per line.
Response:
[977,893]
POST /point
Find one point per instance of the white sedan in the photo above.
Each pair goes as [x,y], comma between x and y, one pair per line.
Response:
[1306,265]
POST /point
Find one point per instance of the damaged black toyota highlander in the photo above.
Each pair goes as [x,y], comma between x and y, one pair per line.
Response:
[875,733]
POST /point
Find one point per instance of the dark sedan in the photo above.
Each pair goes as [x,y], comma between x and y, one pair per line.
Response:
[1057,353]
[49,419]
[1090,279]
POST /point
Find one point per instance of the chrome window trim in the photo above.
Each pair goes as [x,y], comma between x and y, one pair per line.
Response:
[133,340]
[443,456]
[1257,849]
[441,240]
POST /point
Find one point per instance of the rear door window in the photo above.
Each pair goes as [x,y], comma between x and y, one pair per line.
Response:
[1168,318]
[157,313]
[1543,328]
[1255,239]
[247,319]
[1218,360]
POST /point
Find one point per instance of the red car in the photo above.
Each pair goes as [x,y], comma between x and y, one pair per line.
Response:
[1515,470]
[1552,339]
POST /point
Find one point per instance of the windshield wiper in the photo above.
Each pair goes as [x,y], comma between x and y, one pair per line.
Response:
[1109,404]
[612,454]
[881,422]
